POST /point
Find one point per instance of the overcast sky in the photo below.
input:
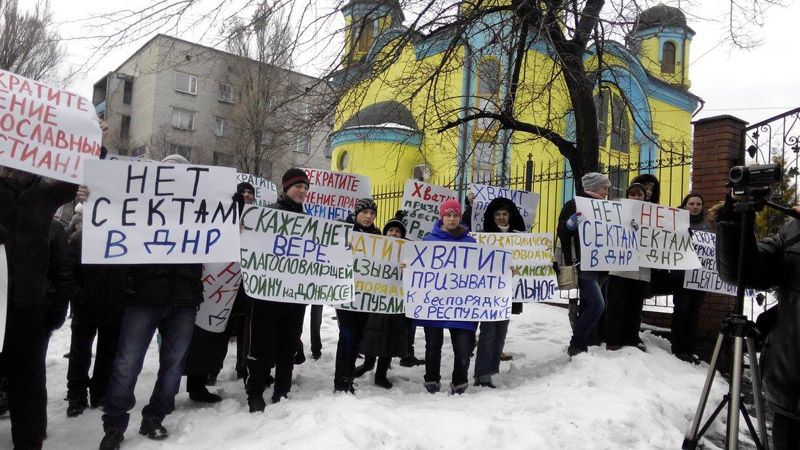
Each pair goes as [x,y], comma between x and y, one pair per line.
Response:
[751,84]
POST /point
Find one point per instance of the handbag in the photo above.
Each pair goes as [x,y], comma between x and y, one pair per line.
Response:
[567,276]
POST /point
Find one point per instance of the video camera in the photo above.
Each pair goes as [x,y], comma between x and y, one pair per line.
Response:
[754,181]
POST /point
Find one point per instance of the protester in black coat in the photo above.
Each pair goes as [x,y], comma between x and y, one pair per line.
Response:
[768,263]
[96,311]
[274,328]
[352,323]
[28,205]
[385,335]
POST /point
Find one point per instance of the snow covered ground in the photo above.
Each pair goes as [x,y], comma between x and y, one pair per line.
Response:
[601,400]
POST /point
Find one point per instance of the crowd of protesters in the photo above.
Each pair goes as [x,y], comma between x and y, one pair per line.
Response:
[123,307]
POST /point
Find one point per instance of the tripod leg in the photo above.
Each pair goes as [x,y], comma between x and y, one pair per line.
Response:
[690,441]
[735,394]
[755,373]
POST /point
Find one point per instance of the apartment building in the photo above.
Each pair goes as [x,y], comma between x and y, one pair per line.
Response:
[175,96]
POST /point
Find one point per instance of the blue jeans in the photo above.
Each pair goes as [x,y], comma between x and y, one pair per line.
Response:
[490,345]
[591,309]
[462,345]
[139,323]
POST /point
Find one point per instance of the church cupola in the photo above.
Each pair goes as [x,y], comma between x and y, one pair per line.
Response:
[365,20]
[661,39]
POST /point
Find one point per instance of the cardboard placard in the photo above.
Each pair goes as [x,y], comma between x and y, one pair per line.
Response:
[421,201]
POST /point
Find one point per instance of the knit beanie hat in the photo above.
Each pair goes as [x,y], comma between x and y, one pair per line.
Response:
[593,181]
[294,176]
[175,159]
[364,204]
[449,206]
[244,185]
[397,222]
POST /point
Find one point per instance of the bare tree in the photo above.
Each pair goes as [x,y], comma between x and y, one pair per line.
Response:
[260,129]
[28,42]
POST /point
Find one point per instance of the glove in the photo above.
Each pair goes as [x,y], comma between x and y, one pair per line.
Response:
[634,224]
[572,222]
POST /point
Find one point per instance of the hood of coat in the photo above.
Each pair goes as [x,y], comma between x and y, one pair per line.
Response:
[515,221]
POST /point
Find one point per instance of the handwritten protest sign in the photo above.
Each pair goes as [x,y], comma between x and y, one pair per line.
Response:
[608,239]
[296,258]
[457,281]
[333,195]
[3,294]
[149,212]
[46,130]
[378,277]
[532,260]
[526,202]
[266,193]
[706,278]
[221,283]
[421,201]
[664,240]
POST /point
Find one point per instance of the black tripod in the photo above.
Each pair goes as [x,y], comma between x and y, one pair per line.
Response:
[741,331]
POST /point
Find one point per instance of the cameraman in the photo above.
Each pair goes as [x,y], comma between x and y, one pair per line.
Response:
[771,262]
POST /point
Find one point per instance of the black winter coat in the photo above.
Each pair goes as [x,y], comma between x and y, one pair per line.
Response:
[61,282]
[101,290]
[771,262]
[515,224]
[164,284]
[26,212]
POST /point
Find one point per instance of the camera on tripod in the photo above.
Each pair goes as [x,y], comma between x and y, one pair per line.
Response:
[755,180]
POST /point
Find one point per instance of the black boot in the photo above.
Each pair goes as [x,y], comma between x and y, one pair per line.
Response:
[256,403]
[380,374]
[153,429]
[112,440]
[344,385]
[196,386]
[76,407]
[369,364]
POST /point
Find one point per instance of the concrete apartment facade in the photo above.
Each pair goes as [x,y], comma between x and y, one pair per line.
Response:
[175,96]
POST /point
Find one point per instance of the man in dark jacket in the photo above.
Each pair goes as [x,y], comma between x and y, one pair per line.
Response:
[28,205]
[771,262]
[162,297]
[274,328]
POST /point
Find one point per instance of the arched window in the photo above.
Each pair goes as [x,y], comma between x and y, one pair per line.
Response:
[487,92]
[620,126]
[668,58]
[362,33]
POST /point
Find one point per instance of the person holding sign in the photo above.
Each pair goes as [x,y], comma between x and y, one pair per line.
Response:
[385,335]
[163,298]
[462,334]
[501,216]
[595,185]
[351,323]
[275,327]
[626,292]
[688,302]
[28,205]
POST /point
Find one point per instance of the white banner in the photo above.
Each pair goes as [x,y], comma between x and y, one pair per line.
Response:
[155,213]
[46,130]
[457,281]
[421,201]
[706,278]
[664,240]
[527,203]
[296,258]
[333,195]
[3,294]
[532,262]
[266,193]
[608,238]
[378,277]
[221,283]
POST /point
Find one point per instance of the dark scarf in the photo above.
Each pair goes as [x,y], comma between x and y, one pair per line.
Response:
[287,204]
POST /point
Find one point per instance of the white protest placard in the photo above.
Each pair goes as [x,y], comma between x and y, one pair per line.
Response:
[333,195]
[221,283]
[157,213]
[664,240]
[532,260]
[706,278]
[296,258]
[116,157]
[457,281]
[377,275]
[421,201]
[3,294]
[46,130]
[608,239]
[266,193]
[527,203]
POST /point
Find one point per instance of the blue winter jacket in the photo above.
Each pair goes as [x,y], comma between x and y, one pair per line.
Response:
[437,234]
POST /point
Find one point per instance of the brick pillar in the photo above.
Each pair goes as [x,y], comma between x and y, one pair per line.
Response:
[718,146]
